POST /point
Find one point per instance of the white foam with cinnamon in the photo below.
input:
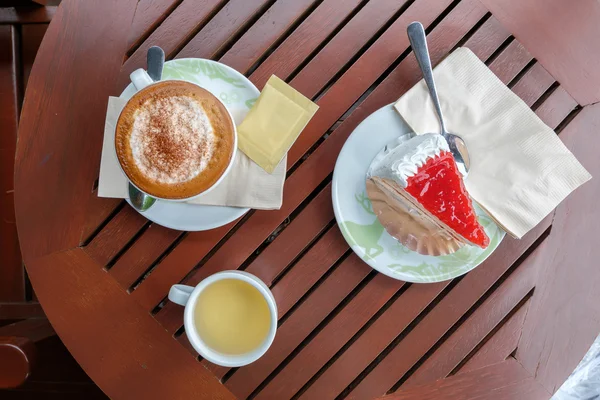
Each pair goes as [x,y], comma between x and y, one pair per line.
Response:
[172,139]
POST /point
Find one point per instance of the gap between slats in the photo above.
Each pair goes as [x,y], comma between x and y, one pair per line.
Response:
[498,345]
[149,15]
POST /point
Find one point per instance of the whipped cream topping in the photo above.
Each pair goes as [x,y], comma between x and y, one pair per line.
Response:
[172,139]
[402,158]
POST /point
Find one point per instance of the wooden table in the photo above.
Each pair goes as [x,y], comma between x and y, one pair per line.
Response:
[515,327]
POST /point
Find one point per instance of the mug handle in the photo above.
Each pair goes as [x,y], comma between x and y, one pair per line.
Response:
[140,78]
[180,294]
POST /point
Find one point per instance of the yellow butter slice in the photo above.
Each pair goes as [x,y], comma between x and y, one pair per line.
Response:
[274,123]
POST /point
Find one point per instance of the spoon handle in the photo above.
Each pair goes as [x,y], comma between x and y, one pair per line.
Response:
[155,60]
[418,42]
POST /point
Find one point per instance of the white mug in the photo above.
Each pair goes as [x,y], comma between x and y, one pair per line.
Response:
[141,80]
[187,296]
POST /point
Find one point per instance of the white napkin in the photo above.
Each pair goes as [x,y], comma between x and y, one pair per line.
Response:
[246,184]
[520,169]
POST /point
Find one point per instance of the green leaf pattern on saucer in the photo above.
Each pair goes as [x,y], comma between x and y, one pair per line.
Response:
[210,74]
[370,241]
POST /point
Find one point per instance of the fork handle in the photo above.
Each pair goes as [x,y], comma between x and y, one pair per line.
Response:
[418,42]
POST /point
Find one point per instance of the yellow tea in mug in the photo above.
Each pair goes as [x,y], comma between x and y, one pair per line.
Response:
[232,316]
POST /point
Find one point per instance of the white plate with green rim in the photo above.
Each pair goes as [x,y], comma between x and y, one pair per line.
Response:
[362,229]
[239,95]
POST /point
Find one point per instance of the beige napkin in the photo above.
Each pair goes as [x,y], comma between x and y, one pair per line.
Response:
[246,185]
[520,169]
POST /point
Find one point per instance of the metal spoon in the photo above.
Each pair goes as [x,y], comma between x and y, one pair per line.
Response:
[155,61]
[416,36]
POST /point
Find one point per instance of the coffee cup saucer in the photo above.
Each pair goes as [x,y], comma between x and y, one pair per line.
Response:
[238,94]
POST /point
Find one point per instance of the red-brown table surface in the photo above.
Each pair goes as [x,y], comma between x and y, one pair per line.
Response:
[515,327]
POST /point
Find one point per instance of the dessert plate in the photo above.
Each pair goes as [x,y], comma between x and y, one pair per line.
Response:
[361,228]
[238,94]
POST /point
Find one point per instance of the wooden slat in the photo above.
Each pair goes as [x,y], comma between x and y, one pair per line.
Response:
[31,38]
[27,15]
[15,311]
[563,319]
[307,271]
[560,104]
[289,244]
[511,61]
[393,367]
[305,39]
[333,105]
[12,281]
[556,107]
[148,15]
[533,84]
[142,254]
[174,267]
[506,380]
[365,350]
[353,316]
[63,160]
[330,293]
[267,266]
[115,235]
[356,34]
[499,347]
[228,23]
[485,41]
[262,34]
[380,56]
[571,54]
[99,210]
[184,341]
[171,34]
[98,304]
[346,324]
[470,333]
[382,53]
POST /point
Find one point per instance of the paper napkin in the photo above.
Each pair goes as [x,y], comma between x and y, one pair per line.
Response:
[520,169]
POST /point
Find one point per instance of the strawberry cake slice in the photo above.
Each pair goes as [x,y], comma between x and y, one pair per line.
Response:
[421,171]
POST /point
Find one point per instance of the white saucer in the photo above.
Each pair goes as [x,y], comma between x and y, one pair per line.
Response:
[238,94]
[362,229]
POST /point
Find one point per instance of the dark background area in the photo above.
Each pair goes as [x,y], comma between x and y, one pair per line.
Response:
[56,375]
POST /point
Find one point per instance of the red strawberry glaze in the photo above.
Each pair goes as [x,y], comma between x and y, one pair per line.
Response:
[439,187]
